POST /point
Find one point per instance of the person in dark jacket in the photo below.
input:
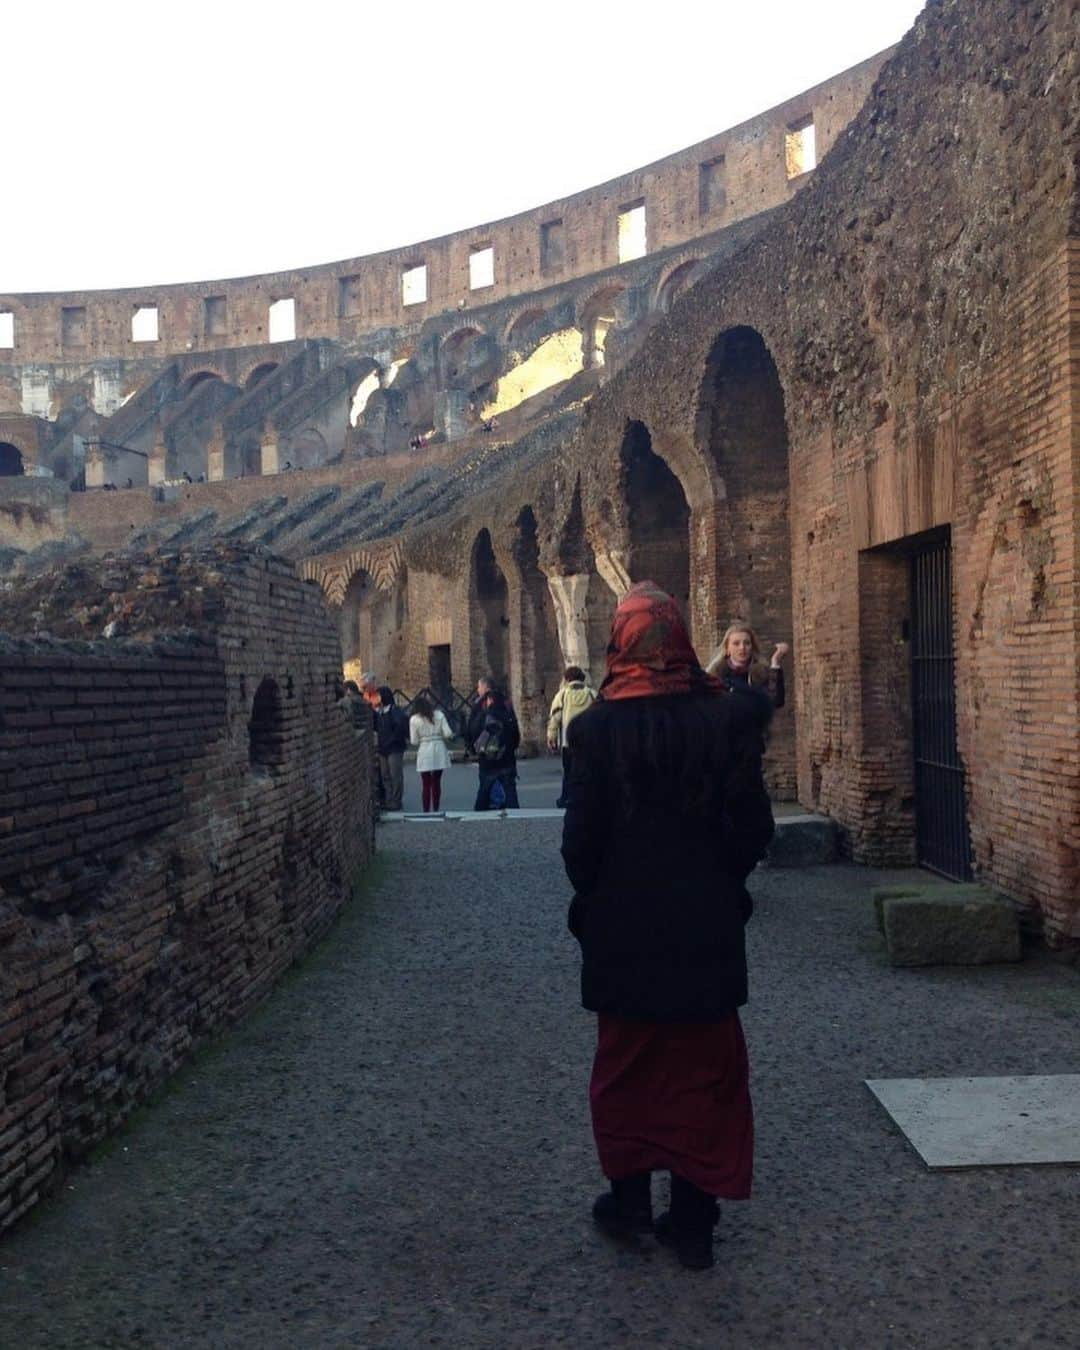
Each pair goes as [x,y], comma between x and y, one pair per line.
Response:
[493,737]
[392,730]
[667,815]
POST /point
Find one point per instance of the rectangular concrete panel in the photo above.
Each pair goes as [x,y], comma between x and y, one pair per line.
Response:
[986,1122]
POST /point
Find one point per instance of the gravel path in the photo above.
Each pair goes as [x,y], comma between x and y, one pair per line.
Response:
[395,1150]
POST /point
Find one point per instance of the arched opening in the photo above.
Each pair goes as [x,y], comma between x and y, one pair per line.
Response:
[743,428]
[490,605]
[459,353]
[597,320]
[266,730]
[677,280]
[369,382]
[541,660]
[524,328]
[11,460]
[200,377]
[372,627]
[658,515]
[259,374]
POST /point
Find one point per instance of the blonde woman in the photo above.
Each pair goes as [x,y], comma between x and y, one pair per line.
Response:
[739,664]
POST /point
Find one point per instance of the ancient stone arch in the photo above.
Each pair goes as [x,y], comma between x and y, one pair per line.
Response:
[536,657]
[657,514]
[521,321]
[742,429]
[384,563]
[372,620]
[596,316]
[489,611]
[257,372]
[674,281]
[194,378]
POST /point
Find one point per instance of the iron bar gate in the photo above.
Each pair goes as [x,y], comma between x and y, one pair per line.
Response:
[941,827]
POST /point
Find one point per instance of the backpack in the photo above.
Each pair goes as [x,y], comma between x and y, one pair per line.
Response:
[489,744]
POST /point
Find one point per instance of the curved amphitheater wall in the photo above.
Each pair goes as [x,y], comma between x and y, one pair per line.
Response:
[733,175]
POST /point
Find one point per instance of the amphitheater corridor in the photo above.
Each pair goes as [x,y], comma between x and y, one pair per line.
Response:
[394,1151]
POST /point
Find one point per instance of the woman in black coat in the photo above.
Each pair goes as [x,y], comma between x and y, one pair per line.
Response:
[667,815]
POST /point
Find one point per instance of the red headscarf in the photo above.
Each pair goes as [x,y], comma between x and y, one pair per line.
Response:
[650,651]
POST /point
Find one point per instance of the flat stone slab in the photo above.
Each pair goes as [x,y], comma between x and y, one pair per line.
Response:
[942,925]
[802,841]
[986,1122]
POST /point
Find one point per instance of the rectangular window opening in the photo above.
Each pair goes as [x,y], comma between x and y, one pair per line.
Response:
[414,284]
[349,293]
[215,316]
[281,320]
[800,148]
[144,324]
[7,328]
[481,267]
[632,242]
[552,246]
[712,186]
[73,326]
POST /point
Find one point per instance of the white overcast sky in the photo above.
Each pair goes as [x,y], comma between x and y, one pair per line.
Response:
[151,142]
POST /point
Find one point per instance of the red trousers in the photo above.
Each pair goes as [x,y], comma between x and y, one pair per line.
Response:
[431,788]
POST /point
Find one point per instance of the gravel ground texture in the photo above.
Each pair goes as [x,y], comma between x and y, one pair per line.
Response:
[394,1151]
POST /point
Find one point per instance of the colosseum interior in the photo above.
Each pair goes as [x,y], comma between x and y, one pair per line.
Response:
[821,372]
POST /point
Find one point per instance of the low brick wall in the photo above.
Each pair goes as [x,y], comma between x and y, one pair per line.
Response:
[180,819]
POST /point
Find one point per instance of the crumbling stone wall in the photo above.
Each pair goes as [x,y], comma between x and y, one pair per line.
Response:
[162,861]
[919,304]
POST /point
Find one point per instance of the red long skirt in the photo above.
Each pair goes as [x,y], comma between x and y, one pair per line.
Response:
[674,1097]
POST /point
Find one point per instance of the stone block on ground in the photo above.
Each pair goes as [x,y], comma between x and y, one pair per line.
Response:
[939,927]
[904,890]
[802,841]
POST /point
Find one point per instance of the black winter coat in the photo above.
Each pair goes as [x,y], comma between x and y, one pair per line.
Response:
[392,729]
[496,707]
[661,904]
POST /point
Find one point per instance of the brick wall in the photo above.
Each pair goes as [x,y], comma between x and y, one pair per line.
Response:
[154,883]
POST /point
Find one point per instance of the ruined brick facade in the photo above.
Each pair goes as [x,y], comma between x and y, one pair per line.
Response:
[183,811]
[772,418]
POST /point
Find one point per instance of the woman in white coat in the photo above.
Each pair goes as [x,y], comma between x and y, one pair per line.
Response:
[429,731]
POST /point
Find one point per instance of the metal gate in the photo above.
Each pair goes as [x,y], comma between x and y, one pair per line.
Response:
[941,827]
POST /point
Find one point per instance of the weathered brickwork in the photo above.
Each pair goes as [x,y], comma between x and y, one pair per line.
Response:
[162,862]
[887,357]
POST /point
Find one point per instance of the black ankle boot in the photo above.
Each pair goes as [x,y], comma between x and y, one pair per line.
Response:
[688,1225]
[626,1210]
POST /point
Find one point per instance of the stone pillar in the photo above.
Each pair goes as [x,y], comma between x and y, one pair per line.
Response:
[156,465]
[95,465]
[569,595]
[612,567]
[215,456]
[269,452]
